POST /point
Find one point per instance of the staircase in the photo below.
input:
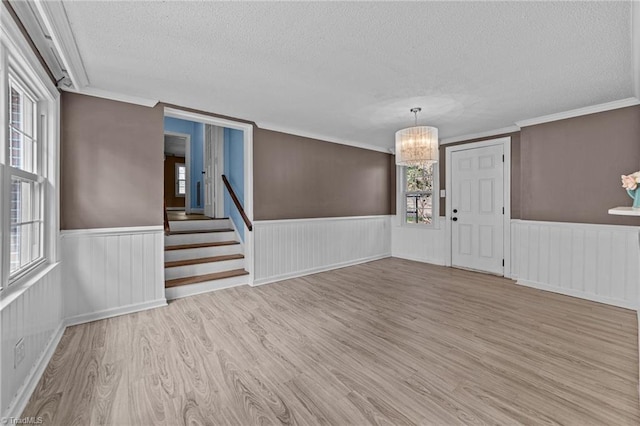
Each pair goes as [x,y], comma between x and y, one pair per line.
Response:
[202,256]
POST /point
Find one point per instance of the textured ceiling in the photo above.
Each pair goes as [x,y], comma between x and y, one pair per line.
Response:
[352,70]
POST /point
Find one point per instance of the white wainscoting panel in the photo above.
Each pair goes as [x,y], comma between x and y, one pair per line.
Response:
[290,248]
[594,262]
[35,316]
[108,272]
[416,243]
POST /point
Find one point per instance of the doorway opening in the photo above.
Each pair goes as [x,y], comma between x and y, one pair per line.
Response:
[176,171]
[218,177]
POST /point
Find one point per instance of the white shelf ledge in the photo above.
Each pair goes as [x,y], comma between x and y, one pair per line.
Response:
[625,211]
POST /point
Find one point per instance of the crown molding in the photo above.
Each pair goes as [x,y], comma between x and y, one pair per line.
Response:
[55,18]
[114,96]
[635,45]
[295,132]
[593,109]
[496,132]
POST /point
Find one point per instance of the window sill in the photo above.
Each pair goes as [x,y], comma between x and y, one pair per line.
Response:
[19,287]
[422,226]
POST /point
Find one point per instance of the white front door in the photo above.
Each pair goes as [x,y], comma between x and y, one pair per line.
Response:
[477,209]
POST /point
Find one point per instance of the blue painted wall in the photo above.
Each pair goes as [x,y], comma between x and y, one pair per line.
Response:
[234,171]
[196,130]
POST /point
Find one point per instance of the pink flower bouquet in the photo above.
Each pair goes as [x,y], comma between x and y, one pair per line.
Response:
[631,181]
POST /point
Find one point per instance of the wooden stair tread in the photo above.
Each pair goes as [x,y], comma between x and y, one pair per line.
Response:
[202,278]
[200,231]
[201,260]
[199,219]
[201,245]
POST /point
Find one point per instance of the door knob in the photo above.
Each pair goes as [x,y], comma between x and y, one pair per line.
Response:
[455,219]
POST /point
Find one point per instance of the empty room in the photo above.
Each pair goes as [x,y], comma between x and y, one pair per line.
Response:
[331,212]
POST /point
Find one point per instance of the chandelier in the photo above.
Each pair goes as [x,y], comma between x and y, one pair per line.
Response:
[417,145]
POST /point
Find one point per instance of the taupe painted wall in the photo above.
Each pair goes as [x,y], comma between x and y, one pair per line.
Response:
[111,163]
[515,170]
[112,170]
[571,168]
[297,177]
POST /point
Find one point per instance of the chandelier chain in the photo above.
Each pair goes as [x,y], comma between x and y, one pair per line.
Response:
[415,112]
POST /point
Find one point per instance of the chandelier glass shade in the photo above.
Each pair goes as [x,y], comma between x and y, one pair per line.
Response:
[417,145]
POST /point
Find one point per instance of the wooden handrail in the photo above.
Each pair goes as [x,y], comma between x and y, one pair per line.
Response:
[237,203]
[167,228]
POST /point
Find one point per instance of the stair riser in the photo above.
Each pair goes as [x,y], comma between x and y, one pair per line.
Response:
[196,225]
[174,240]
[204,287]
[198,253]
[202,269]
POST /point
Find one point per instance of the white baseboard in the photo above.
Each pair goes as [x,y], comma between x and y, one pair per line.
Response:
[311,271]
[114,312]
[438,262]
[22,398]
[578,294]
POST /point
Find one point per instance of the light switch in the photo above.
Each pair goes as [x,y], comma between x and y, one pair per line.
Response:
[443,193]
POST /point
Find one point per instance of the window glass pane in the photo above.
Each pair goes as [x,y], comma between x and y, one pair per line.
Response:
[25,201]
[419,208]
[28,113]
[36,238]
[15,118]
[22,146]
[181,187]
[25,244]
[419,178]
[15,248]
[26,223]
[15,148]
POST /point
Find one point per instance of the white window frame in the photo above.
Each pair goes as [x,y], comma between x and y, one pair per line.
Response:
[177,179]
[35,176]
[401,205]
[19,63]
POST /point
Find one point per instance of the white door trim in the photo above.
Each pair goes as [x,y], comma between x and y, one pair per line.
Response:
[187,163]
[506,220]
[247,130]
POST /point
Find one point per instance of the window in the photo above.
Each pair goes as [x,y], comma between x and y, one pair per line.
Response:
[181,180]
[28,117]
[26,195]
[418,188]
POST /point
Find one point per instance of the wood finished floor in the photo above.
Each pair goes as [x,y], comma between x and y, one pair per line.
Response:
[181,215]
[388,342]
